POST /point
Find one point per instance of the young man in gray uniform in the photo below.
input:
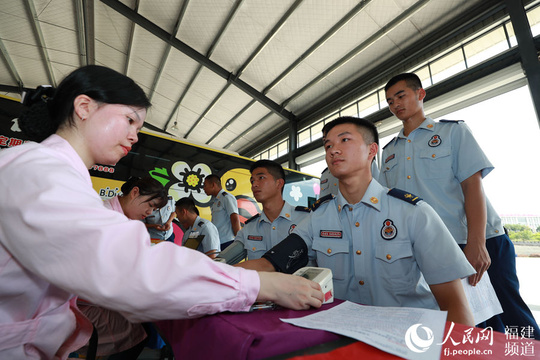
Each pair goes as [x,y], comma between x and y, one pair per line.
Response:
[443,163]
[195,226]
[277,220]
[224,210]
[385,248]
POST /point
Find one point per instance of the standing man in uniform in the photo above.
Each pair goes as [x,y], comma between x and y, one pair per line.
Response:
[385,248]
[195,226]
[443,163]
[277,220]
[224,210]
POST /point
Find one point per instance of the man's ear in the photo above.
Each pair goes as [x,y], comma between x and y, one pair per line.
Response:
[281,182]
[373,149]
[421,94]
[84,106]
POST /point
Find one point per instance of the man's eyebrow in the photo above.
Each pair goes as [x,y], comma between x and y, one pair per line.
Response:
[399,92]
[338,135]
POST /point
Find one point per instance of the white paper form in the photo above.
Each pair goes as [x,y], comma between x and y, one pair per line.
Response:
[411,333]
[482,299]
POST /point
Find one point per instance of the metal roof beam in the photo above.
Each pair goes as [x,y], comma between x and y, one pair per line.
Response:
[209,53]
[384,71]
[364,45]
[130,41]
[192,53]
[379,75]
[333,30]
[252,57]
[13,89]
[167,51]
[238,114]
[32,14]
[84,14]
[11,66]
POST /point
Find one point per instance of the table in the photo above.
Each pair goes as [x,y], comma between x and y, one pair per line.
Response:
[260,335]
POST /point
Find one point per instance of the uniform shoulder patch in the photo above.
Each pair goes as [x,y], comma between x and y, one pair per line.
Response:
[302,208]
[200,224]
[404,195]
[391,141]
[321,201]
[252,218]
[225,193]
[451,121]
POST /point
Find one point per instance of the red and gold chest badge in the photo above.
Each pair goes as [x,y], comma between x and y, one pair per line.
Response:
[388,231]
[435,141]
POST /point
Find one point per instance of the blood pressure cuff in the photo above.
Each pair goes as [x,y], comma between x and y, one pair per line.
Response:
[234,253]
[289,255]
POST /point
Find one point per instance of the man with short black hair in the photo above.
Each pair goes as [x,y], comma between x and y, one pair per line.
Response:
[195,226]
[442,162]
[224,210]
[277,220]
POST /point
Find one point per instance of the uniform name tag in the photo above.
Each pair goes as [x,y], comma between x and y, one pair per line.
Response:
[255,238]
[331,234]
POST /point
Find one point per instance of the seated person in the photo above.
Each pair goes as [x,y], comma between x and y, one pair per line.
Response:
[188,216]
[159,223]
[277,220]
[384,247]
[118,337]
[329,184]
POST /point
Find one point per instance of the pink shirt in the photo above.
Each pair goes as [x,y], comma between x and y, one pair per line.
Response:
[58,239]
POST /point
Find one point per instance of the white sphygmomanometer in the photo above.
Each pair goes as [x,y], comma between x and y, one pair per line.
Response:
[321,276]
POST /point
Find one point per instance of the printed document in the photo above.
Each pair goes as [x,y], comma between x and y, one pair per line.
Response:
[482,299]
[411,333]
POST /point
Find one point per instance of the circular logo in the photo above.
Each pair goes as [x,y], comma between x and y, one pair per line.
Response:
[435,141]
[388,231]
[416,342]
[230,184]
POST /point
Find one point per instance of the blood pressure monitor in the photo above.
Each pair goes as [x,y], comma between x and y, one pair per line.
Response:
[323,277]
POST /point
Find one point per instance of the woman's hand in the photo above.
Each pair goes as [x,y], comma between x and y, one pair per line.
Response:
[290,291]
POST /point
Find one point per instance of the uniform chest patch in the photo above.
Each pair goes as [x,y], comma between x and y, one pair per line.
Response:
[293,226]
[331,234]
[388,231]
[389,158]
[255,237]
[435,141]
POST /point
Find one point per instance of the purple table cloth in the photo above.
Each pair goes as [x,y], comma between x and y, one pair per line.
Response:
[255,335]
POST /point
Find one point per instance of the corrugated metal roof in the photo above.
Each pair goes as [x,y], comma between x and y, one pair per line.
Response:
[227,72]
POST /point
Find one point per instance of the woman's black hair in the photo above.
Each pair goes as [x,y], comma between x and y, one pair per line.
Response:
[49,108]
[148,186]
